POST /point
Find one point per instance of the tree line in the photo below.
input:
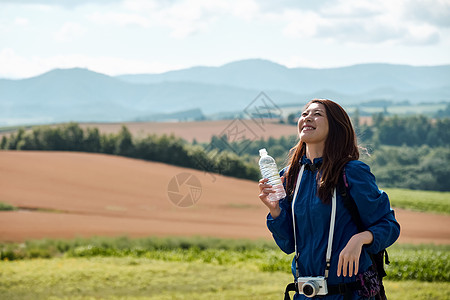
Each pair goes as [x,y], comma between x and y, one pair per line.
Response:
[165,148]
[394,130]
[422,168]
[414,130]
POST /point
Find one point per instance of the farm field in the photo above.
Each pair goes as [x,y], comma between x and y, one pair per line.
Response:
[407,109]
[67,194]
[201,131]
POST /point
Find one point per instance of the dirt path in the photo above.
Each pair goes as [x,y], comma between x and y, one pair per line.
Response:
[66,194]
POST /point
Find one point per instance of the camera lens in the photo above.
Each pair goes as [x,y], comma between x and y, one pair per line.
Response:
[309,289]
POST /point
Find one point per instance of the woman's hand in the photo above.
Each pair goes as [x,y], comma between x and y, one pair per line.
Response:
[349,257]
[264,190]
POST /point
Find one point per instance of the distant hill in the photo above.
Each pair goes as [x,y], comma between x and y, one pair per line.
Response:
[265,75]
[81,95]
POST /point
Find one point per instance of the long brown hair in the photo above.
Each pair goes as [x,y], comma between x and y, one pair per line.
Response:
[340,148]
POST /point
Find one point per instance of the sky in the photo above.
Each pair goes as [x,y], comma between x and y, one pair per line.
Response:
[135,36]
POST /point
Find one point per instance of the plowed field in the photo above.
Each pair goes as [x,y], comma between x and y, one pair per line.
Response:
[67,194]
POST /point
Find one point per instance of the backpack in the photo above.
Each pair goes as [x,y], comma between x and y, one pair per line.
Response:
[378,259]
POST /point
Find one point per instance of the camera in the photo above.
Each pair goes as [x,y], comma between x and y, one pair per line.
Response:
[312,286]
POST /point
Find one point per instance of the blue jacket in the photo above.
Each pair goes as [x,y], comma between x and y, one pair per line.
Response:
[313,222]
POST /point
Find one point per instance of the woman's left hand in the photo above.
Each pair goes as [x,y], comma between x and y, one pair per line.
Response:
[349,257]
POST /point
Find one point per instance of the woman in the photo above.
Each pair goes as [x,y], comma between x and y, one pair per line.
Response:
[326,149]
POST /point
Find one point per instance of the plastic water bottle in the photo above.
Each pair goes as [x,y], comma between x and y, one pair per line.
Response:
[269,170]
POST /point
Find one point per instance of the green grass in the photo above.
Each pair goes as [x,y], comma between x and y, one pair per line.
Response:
[417,290]
[6,207]
[188,268]
[144,278]
[408,262]
[131,278]
[125,246]
[426,201]
[424,262]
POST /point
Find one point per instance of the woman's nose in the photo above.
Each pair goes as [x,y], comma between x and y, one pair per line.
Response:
[308,118]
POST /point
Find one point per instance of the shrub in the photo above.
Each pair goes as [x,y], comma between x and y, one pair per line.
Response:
[6,207]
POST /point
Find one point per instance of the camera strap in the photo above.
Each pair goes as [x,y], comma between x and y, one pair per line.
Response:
[330,234]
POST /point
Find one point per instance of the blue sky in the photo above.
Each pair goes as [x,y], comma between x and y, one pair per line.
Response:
[137,36]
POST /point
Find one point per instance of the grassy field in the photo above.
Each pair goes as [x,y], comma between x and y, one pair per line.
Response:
[426,201]
[143,278]
[188,268]
[131,278]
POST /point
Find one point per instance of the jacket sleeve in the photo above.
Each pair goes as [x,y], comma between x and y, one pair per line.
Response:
[373,206]
[281,227]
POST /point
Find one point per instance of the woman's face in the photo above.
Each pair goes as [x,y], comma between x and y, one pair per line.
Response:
[313,124]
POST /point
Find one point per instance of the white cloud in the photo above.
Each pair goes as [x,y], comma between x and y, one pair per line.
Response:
[361,22]
[343,21]
[63,3]
[183,18]
[302,24]
[69,31]
[246,10]
[433,12]
[351,9]
[15,66]
[279,6]
[21,21]
[8,26]
[292,24]
[121,19]
[140,5]
[189,17]
[422,34]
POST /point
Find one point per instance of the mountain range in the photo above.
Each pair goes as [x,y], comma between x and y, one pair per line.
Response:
[82,95]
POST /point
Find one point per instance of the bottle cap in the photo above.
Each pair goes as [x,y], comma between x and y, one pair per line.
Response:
[262,152]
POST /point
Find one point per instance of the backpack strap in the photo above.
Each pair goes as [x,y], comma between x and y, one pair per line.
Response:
[349,203]
[291,287]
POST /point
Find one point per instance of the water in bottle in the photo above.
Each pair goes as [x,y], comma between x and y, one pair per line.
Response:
[269,170]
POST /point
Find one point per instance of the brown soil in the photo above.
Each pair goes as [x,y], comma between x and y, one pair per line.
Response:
[67,194]
[200,131]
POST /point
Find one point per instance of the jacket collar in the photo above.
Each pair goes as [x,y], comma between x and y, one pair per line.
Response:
[312,166]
